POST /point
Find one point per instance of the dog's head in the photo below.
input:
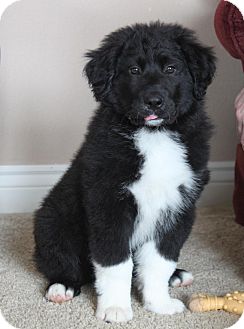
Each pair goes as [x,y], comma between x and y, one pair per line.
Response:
[150,74]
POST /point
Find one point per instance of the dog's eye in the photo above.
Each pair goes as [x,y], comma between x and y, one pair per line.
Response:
[135,70]
[170,69]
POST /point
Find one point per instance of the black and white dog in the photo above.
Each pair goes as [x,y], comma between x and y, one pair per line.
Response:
[128,199]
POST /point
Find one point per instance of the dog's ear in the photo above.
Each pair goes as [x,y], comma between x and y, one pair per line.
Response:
[201,62]
[101,68]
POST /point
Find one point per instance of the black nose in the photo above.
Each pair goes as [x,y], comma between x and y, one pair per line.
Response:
[153,102]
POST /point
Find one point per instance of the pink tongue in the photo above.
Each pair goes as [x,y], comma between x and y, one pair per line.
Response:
[151,117]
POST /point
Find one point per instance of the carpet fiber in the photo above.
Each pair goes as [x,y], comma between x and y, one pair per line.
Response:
[214,253]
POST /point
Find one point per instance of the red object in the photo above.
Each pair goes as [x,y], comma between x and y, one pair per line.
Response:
[238,196]
[229,27]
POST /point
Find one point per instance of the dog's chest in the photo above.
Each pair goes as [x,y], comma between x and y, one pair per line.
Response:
[164,169]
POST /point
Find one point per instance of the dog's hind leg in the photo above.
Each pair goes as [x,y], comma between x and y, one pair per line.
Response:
[61,251]
[59,293]
[65,267]
[66,278]
[180,278]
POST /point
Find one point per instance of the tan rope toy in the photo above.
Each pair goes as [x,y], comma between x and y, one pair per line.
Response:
[232,302]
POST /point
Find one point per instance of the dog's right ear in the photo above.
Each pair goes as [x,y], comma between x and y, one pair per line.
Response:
[101,67]
[99,73]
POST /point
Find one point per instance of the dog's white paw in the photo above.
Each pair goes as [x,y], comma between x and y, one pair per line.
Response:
[114,314]
[181,278]
[169,306]
[57,293]
[187,279]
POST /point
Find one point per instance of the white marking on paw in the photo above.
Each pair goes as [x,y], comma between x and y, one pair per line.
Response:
[170,306]
[187,278]
[57,293]
[113,286]
[114,314]
[182,279]
[175,282]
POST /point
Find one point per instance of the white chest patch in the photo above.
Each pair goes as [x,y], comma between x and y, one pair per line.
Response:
[165,168]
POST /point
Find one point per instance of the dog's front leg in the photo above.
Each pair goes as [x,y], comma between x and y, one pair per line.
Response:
[153,273]
[110,230]
[113,286]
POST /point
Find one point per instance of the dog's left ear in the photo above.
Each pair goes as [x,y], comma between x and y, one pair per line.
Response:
[201,62]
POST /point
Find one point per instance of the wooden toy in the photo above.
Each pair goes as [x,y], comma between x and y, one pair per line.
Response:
[232,302]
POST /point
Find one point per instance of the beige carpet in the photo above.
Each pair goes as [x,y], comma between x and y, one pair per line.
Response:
[214,253]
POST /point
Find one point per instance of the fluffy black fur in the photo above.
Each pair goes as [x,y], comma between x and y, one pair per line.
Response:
[137,71]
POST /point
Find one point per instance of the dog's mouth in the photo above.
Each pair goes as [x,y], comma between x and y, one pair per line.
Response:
[153,120]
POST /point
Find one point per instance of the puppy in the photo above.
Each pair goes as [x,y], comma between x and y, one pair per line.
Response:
[128,199]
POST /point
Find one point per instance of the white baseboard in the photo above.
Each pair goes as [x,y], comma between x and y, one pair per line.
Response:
[219,191]
[23,187]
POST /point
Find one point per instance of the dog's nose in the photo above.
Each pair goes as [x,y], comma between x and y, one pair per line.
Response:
[153,102]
